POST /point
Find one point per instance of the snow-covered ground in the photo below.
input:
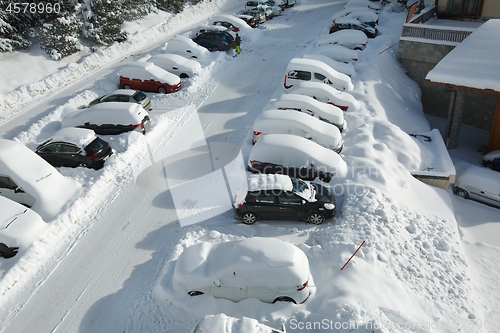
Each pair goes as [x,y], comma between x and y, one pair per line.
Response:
[429,262]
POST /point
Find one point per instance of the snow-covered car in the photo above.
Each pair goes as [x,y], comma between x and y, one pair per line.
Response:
[301,69]
[280,197]
[289,3]
[341,67]
[221,323]
[277,10]
[204,28]
[296,157]
[185,47]
[28,179]
[492,160]
[278,3]
[268,269]
[480,184]
[146,76]
[347,10]
[126,96]
[19,226]
[176,64]
[366,16]
[343,23]
[352,39]
[261,5]
[326,94]
[323,111]
[231,22]
[374,5]
[337,52]
[109,118]
[258,15]
[74,147]
[300,124]
[252,19]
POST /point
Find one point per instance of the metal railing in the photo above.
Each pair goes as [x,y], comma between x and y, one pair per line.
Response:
[433,33]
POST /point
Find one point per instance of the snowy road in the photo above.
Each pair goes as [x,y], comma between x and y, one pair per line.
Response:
[118,259]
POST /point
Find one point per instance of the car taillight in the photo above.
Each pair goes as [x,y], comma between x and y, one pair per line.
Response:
[257,133]
[342,107]
[355,59]
[299,288]
[284,79]
[364,45]
[137,125]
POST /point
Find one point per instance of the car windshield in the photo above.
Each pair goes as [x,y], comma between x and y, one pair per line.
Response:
[302,188]
[95,146]
[140,96]
[367,27]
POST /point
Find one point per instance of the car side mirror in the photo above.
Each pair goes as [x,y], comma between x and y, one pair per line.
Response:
[217,281]
[303,202]
[18,190]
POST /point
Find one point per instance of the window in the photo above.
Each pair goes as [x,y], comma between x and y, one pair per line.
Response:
[265,197]
[287,198]
[52,148]
[6,182]
[69,149]
[299,75]
[319,76]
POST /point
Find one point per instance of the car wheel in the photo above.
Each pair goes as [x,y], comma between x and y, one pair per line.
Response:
[162,90]
[184,76]
[284,299]
[214,48]
[488,165]
[358,49]
[462,193]
[127,86]
[249,218]
[316,218]
[195,293]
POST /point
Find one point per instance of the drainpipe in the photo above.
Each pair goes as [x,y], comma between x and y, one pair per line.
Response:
[451,106]
[455,119]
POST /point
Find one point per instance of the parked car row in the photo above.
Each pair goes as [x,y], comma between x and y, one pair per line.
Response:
[360,15]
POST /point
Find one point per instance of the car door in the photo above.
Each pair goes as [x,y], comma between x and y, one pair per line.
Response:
[291,206]
[70,155]
[50,153]
[265,205]
[229,287]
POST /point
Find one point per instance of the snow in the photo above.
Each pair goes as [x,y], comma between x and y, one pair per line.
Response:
[148,71]
[52,191]
[81,137]
[430,259]
[265,182]
[337,52]
[457,69]
[347,38]
[492,155]
[301,124]
[176,64]
[367,16]
[223,324]
[185,46]
[347,69]
[479,178]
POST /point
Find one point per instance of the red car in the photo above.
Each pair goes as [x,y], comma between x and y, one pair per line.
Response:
[145,76]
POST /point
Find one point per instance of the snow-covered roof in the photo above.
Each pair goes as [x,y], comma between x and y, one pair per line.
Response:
[252,261]
[339,80]
[267,182]
[186,46]
[170,60]
[474,63]
[294,122]
[19,225]
[343,36]
[337,52]
[350,20]
[341,67]
[51,190]
[321,110]
[80,137]
[128,92]
[235,21]
[479,177]
[294,151]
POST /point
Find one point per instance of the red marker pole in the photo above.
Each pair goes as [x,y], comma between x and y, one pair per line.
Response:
[353,255]
[387,48]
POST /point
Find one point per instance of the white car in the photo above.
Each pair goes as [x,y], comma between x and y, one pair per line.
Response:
[352,39]
[337,52]
[19,226]
[300,124]
[109,118]
[326,94]
[366,16]
[268,269]
[296,157]
[480,184]
[231,22]
[176,64]
[185,47]
[341,67]
[28,179]
[323,111]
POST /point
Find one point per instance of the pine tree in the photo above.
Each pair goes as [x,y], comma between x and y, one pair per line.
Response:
[175,6]
[10,38]
[60,35]
[136,9]
[103,22]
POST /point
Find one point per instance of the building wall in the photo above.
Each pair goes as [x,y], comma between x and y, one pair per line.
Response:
[418,59]
[491,9]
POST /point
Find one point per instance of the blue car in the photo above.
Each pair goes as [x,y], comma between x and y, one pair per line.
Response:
[215,40]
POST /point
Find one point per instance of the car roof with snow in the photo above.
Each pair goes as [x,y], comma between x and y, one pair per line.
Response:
[252,261]
[221,323]
[343,36]
[176,59]
[294,151]
[341,67]
[182,44]
[317,89]
[346,20]
[128,92]
[237,22]
[51,190]
[480,177]
[146,71]
[313,65]
[80,137]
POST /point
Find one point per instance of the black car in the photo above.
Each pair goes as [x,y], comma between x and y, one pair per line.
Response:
[344,23]
[215,40]
[125,95]
[302,173]
[250,18]
[302,201]
[74,147]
